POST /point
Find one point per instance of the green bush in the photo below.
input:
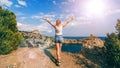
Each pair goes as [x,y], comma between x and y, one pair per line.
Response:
[26,37]
[9,34]
[112,44]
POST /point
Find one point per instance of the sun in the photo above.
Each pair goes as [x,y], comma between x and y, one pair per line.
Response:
[72,24]
[95,7]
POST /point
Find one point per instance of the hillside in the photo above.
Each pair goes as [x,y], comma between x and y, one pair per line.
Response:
[36,52]
[39,58]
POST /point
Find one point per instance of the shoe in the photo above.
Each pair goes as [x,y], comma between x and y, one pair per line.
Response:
[58,63]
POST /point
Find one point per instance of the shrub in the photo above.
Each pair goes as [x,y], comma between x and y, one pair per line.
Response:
[9,34]
[112,44]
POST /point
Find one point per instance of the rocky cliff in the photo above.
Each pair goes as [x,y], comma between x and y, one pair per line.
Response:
[34,38]
[93,49]
[92,41]
[87,42]
[73,41]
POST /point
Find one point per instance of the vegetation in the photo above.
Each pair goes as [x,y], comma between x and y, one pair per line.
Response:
[112,44]
[9,34]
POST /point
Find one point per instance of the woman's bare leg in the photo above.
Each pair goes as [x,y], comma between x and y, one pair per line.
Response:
[57,50]
[60,46]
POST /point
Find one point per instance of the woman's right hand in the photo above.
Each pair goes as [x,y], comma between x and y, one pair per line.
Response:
[48,21]
[44,18]
[70,19]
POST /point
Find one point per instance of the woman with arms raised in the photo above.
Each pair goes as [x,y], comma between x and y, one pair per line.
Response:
[58,35]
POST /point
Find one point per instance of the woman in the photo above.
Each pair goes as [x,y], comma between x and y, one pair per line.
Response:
[58,35]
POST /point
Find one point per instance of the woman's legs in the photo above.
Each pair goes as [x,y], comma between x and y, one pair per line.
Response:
[60,46]
[58,41]
[58,50]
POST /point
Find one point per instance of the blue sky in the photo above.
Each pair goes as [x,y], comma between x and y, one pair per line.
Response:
[97,17]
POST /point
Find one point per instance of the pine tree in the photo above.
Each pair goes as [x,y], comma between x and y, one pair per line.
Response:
[9,34]
[112,44]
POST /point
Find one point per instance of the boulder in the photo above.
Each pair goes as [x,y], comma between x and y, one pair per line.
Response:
[93,49]
[36,32]
[92,41]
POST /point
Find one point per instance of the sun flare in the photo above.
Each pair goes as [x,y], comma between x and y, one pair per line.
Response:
[95,7]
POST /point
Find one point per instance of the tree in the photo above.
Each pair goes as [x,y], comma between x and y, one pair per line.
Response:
[118,28]
[112,44]
[9,34]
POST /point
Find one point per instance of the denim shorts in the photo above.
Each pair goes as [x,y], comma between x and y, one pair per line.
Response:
[59,39]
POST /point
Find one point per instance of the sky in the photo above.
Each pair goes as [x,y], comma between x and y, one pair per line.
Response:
[97,17]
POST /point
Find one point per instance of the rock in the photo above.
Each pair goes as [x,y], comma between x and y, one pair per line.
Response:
[36,32]
[72,41]
[34,38]
[93,49]
[92,41]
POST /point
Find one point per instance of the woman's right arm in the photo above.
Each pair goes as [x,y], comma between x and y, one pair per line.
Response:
[48,21]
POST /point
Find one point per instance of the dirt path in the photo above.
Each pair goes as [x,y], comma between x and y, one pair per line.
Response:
[24,58]
[32,58]
[42,58]
[67,60]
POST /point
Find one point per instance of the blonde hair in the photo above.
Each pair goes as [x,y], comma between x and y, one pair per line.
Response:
[58,22]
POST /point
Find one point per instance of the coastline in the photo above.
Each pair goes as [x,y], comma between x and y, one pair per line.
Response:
[41,54]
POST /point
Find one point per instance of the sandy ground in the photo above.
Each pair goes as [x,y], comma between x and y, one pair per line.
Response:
[24,58]
[42,58]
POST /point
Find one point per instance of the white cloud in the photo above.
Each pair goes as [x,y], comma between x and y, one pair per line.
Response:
[19,24]
[110,12]
[44,27]
[80,23]
[64,3]
[22,18]
[17,6]
[63,18]
[30,27]
[71,0]
[6,3]
[36,17]
[39,16]
[67,2]
[83,18]
[50,15]
[67,10]
[21,2]
[54,2]
[19,14]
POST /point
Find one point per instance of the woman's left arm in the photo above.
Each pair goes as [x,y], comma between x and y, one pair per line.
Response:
[68,21]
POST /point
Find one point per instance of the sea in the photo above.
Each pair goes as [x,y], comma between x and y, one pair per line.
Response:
[74,48]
